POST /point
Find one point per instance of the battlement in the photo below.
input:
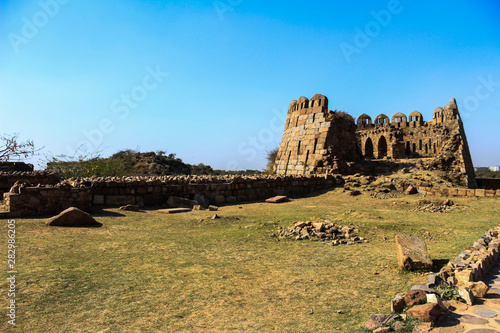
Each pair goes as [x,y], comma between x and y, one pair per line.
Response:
[415,119]
[318,140]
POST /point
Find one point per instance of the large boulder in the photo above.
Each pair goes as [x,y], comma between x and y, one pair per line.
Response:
[412,253]
[73,217]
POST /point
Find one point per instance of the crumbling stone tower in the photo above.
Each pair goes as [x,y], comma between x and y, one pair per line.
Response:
[317,140]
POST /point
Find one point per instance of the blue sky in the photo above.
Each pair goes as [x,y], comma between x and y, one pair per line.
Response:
[211,80]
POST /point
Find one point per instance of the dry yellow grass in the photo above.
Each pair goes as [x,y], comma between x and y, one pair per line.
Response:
[151,272]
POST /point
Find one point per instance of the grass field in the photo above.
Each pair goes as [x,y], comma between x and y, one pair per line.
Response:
[152,272]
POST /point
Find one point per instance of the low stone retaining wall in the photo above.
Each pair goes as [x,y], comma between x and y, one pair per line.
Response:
[34,201]
[155,191]
[8,179]
[464,274]
[459,192]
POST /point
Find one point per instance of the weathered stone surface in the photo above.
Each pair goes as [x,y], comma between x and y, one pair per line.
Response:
[73,217]
[178,202]
[433,298]
[412,253]
[423,288]
[174,210]
[398,325]
[478,289]
[425,312]
[466,295]
[98,199]
[411,190]
[278,199]
[213,208]
[469,319]
[464,276]
[484,311]
[377,320]
[415,297]
[398,303]
[423,328]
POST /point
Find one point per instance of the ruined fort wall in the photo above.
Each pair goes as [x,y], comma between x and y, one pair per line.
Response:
[8,179]
[155,191]
[314,138]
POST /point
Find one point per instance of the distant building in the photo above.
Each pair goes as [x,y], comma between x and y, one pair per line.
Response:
[494,168]
[480,168]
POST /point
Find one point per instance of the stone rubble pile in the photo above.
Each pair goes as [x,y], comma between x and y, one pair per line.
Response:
[322,230]
[459,280]
[435,207]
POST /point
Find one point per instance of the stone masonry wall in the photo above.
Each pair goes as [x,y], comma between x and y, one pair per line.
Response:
[316,140]
[155,191]
[8,179]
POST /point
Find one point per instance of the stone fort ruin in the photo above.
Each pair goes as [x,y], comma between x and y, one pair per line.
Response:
[317,140]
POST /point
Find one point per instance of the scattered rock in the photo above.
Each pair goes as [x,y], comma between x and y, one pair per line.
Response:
[322,230]
[466,295]
[423,288]
[377,320]
[433,298]
[412,253]
[423,328]
[411,190]
[415,296]
[398,325]
[213,208]
[398,303]
[278,199]
[215,216]
[425,312]
[354,193]
[73,217]
[130,207]
[478,289]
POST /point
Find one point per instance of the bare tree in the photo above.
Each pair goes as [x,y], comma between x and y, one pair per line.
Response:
[11,147]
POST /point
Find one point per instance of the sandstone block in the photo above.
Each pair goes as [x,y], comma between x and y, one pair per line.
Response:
[429,312]
[130,207]
[478,289]
[466,295]
[415,296]
[412,253]
[398,303]
[480,193]
[464,276]
[73,217]
[278,199]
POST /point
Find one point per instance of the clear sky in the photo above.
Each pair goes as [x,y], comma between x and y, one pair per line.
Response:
[211,80]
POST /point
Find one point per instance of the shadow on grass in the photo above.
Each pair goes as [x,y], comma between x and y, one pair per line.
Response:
[102,212]
[86,226]
[439,263]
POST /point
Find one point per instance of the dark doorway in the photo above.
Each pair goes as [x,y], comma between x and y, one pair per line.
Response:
[382,147]
[369,148]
